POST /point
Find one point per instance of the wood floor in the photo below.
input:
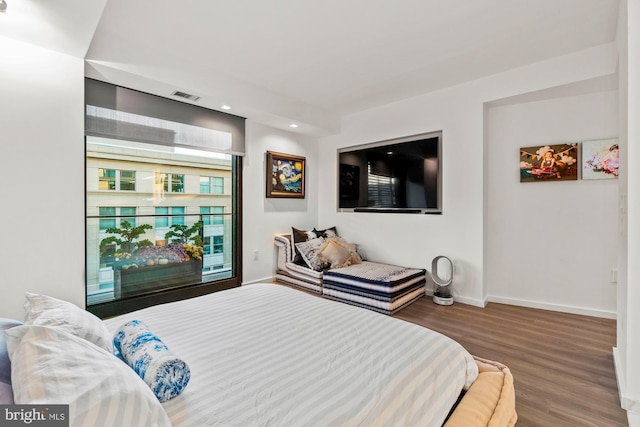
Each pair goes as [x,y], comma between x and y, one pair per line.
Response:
[562,363]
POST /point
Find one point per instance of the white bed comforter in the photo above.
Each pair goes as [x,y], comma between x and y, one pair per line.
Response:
[267,355]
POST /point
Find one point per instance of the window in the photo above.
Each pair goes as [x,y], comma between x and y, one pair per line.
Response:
[162,221]
[218,185]
[177,220]
[171,183]
[218,244]
[177,183]
[172,217]
[119,215]
[107,179]
[218,219]
[207,246]
[128,211]
[128,180]
[107,222]
[213,245]
[113,179]
[208,219]
[139,165]
[205,211]
[207,183]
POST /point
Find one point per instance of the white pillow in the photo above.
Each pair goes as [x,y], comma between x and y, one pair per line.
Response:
[50,366]
[44,310]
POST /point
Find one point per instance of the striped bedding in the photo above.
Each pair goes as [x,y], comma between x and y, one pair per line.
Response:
[268,355]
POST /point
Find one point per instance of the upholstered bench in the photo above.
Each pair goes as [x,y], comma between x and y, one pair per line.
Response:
[377,286]
[381,287]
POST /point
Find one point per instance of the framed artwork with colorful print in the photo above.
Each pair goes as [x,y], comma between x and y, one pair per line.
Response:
[285,175]
[545,163]
[600,159]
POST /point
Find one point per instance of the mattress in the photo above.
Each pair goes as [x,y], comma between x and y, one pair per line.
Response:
[381,306]
[384,279]
[265,354]
[381,287]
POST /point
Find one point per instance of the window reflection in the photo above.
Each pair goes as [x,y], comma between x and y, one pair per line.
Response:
[134,188]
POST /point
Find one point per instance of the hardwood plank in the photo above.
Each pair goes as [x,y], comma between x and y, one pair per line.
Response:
[562,363]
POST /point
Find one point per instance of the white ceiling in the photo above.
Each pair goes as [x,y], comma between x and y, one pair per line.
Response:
[278,61]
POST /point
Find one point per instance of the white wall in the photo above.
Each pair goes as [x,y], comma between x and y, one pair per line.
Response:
[414,240]
[42,171]
[47,87]
[42,120]
[627,352]
[632,321]
[551,243]
[410,239]
[264,217]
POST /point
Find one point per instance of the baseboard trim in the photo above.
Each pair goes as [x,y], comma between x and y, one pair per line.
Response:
[265,280]
[511,301]
[470,301]
[462,300]
[627,403]
[555,307]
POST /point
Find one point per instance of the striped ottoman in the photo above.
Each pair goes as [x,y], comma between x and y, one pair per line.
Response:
[381,287]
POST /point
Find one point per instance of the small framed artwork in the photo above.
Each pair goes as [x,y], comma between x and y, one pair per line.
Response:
[285,175]
[549,163]
[600,159]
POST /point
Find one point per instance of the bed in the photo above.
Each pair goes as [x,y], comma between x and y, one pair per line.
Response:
[268,355]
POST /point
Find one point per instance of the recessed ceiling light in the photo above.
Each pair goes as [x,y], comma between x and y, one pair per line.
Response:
[293,125]
[226,107]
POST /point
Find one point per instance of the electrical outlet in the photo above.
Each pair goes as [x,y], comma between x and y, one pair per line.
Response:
[256,255]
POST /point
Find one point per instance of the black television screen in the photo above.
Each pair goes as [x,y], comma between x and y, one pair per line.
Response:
[400,175]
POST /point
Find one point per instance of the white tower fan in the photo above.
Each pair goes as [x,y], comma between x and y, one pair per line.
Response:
[442,279]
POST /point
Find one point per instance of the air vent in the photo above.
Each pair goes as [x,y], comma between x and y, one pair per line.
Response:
[185,95]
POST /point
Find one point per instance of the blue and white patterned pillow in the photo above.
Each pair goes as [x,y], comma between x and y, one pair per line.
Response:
[166,374]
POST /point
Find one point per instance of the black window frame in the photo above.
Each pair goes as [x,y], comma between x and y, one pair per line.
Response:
[128,304]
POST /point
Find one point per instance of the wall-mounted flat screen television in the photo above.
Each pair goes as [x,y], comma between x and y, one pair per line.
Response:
[402,175]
